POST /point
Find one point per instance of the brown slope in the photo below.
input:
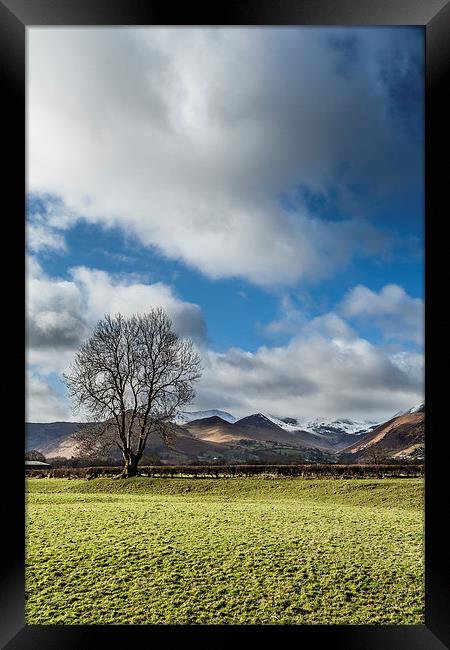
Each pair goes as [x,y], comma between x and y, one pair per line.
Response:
[213,429]
[254,427]
[45,436]
[181,441]
[258,427]
[312,441]
[391,438]
[63,448]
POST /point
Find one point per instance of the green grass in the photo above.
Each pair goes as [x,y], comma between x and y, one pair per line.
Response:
[225,551]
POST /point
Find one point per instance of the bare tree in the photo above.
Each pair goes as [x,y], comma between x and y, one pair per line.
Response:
[132,376]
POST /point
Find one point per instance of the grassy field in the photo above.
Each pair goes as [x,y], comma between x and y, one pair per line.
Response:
[225,551]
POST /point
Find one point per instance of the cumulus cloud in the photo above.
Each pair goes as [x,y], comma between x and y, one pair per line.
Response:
[108,294]
[41,237]
[188,137]
[61,313]
[399,316]
[43,403]
[289,318]
[47,219]
[327,369]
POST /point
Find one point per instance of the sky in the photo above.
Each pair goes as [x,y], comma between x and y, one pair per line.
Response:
[265,186]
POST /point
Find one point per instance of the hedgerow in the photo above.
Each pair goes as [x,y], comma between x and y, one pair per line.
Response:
[228,471]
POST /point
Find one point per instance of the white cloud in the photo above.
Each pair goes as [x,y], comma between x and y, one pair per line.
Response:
[47,220]
[108,294]
[399,316]
[327,369]
[185,137]
[61,313]
[41,237]
[289,319]
[43,403]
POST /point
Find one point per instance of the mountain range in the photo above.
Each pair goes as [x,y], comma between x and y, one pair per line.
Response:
[217,436]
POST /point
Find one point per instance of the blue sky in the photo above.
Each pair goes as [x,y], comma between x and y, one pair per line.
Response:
[265,186]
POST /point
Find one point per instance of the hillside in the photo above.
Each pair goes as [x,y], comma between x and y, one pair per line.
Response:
[259,438]
[47,436]
[265,428]
[188,416]
[402,437]
[253,427]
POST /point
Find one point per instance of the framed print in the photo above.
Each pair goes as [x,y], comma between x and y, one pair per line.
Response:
[233,288]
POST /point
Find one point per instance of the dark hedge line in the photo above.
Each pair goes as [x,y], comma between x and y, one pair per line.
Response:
[227,471]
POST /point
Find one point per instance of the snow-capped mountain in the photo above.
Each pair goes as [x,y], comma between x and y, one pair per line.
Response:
[259,420]
[332,427]
[339,425]
[214,434]
[188,416]
[324,425]
[288,424]
[418,408]
[401,437]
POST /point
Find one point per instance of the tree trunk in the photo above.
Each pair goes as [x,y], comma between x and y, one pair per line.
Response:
[131,465]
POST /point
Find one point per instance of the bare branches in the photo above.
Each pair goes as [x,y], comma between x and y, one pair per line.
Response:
[133,374]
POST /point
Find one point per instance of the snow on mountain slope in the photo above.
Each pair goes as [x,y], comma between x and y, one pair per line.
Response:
[258,420]
[324,425]
[338,425]
[418,408]
[317,426]
[401,435]
[187,416]
[291,425]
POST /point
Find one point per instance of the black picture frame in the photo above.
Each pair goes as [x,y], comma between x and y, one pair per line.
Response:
[434,16]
